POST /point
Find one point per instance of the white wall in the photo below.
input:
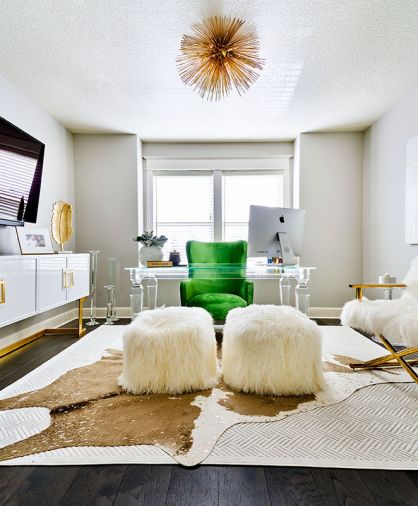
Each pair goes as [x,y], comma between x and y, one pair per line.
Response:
[384,248]
[58,169]
[328,168]
[107,189]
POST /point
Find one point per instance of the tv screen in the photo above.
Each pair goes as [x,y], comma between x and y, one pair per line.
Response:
[21,162]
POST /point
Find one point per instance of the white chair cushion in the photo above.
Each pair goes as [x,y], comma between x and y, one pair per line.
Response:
[170,350]
[397,319]
[272,350]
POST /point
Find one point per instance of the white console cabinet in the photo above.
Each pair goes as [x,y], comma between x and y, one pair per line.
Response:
[32,284]
[17,289]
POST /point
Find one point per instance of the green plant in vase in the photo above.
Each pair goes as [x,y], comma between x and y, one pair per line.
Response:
[151,249]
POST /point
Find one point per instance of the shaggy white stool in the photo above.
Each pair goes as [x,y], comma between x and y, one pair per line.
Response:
[170,350]
[272,350]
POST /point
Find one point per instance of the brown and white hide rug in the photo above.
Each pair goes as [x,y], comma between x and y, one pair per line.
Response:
[74,401]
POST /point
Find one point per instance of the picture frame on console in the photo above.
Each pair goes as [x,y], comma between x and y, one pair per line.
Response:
[34,241]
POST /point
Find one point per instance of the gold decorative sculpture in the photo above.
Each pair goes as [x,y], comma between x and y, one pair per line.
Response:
[220,55]
[62,223]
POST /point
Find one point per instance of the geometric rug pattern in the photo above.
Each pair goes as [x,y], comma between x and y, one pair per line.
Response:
[384,416]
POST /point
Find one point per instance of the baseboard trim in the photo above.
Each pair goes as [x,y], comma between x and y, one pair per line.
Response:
[325,312]
[125,312]
[20,338]
[121,312]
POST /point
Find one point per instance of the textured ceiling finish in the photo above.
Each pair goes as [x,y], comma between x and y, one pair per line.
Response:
[110,65]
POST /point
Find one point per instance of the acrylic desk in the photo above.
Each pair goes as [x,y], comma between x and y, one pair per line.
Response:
[144,277]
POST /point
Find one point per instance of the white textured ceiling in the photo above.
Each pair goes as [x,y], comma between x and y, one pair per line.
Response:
[109,65]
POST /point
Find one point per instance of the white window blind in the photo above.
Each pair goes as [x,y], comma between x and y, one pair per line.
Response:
[16,176]
[183,208]
[240,190]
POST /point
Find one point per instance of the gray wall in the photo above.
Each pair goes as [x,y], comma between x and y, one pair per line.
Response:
[107,189]
[328,174]
[58,172]
[384,248]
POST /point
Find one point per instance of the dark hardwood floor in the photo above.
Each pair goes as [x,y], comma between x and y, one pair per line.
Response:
[148,485]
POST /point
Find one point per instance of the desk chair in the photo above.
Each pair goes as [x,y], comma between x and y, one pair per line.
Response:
[216,291]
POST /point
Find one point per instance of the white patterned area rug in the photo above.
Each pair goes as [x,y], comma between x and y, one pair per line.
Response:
[363,419]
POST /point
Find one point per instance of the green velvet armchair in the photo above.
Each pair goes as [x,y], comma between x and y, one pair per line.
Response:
[217,292]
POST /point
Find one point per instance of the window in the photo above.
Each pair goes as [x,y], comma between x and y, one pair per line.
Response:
[183,208]
[208,205]
[242,190]
[16,176]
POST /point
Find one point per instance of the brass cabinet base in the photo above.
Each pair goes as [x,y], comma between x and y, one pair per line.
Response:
[80,331]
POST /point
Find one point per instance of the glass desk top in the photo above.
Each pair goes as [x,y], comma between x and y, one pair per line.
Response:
[217,271]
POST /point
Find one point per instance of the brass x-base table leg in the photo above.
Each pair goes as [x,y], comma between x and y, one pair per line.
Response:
[394,359]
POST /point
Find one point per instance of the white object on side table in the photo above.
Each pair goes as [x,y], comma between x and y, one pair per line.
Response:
[387,279]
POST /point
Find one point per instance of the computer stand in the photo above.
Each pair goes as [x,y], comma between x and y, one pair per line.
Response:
[286,249]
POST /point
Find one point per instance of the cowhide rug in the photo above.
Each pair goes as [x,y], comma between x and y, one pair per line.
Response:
[79,404]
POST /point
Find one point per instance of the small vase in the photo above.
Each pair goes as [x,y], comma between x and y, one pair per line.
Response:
[175,257]
[150,254]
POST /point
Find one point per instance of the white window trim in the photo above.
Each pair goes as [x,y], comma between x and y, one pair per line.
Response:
[216,167]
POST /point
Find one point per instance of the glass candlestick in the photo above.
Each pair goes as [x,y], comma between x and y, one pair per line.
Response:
[93,287]
[110,296]
[113,269]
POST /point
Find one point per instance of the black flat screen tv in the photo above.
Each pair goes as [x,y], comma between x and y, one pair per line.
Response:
[21,163]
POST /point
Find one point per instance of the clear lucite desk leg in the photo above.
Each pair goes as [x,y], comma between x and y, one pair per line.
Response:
[302,298]
[137,300]
[302,291]
[285,290]
[152,291]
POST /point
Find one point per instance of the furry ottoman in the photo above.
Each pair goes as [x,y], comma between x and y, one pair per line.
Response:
[170,350]
[272,350]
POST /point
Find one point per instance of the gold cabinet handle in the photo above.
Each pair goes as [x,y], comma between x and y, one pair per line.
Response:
[2,291]
[68,279]
[65,279]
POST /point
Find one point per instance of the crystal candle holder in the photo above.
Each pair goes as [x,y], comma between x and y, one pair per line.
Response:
[110,289]
[93,287]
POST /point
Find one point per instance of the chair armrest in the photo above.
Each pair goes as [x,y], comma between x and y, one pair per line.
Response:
[247,291]
[186,291]
[360,286]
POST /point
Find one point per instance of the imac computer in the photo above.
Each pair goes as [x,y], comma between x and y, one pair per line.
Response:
[276,232]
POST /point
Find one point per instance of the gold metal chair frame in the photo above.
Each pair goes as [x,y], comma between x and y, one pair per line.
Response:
[395,358]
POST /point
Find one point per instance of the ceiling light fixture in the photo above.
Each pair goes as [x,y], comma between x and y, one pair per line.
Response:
[220,55]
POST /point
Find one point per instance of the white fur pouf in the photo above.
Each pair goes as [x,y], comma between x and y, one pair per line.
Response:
[272,350]
[170,350]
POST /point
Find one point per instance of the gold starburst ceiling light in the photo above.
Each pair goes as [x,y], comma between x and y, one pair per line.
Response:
[220,55]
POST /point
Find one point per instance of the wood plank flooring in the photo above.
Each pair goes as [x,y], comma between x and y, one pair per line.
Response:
[124,485]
